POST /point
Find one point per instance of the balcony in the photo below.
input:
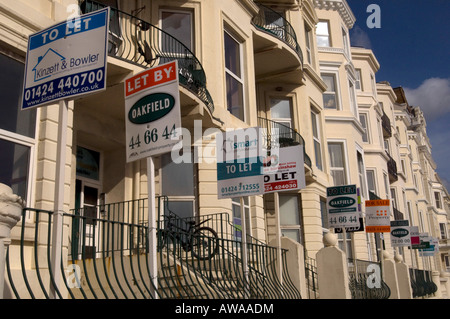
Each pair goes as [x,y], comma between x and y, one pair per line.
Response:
[277,52]
[143,44]
[386,124]
[286,136]
[392,169]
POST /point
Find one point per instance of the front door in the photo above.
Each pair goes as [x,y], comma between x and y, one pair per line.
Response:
[85,227]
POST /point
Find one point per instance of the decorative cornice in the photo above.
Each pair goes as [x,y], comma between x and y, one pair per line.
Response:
[340,6]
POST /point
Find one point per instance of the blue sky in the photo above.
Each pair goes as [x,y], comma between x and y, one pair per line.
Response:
[412,46]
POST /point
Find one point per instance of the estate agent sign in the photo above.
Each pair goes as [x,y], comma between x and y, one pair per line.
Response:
[342,206]
[66,60]
[152,111]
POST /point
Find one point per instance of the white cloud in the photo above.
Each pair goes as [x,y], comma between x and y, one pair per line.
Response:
[432,96]
[359,38]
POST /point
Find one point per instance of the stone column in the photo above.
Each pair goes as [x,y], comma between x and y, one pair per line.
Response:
[403,278]
[11,207]
[332,270]
[390,275]
[435,275]
[445,278]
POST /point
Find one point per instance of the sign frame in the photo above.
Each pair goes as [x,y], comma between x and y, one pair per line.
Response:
[347,215]
[152,91]
[57,66]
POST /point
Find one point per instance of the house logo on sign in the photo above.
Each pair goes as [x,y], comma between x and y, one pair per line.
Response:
[49,64]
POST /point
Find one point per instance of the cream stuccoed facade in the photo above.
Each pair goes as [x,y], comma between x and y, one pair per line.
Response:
[243,64]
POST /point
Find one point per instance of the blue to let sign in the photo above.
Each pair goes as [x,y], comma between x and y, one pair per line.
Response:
[66,60]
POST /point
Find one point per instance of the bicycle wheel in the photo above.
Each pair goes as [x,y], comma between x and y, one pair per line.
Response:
[205,243]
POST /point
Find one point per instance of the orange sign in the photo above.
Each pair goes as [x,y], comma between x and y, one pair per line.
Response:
[378,216]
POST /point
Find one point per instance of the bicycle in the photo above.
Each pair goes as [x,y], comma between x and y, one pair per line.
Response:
[202,241]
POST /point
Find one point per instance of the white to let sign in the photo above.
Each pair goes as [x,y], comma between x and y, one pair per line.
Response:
[400,233]
[287,173]
[342,206]
[378,216]
[152,112]
[66,60]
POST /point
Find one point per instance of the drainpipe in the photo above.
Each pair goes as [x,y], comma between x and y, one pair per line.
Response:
[11,207]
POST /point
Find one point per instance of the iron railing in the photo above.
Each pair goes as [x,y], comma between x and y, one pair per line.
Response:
[392,168]
[276,25]
[282,135]
[365,280]
[105,255]
[311,278]
[139,42]
[386,124]
[422,283]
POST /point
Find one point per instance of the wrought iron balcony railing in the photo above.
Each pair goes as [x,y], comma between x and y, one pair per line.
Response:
[105,255]
[422,283]
[386,124]
[283,135]
[138,42]
[392,169]
[363,281]
[276,25]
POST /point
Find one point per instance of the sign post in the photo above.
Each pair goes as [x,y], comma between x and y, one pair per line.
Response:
[152,123]
[64,61]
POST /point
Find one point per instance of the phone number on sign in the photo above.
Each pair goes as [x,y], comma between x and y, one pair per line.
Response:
[280,186]
[240,187]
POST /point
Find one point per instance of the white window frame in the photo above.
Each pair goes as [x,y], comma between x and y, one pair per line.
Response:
[241,79]
[358,82]
[345,158]
[296,227]
[31,144]
[308,43]
[365,125]
[187,11]
[352,97]
[328,35]
[315,116]
[337,92]
[374,178]
[362,173]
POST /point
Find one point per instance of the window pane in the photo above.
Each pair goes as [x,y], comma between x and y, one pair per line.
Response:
[293,234]
[330,82]
[88,163]
[177,179]
[338,177]
[323,37]
[318,154]
[336,155]
[329,101]
[232,55]
[13,119]
[183,209]
[280,108]
[289,214]
[363,121]
[235,97]
[14,159]
[179,25]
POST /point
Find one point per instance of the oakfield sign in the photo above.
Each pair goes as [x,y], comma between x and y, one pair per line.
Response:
[342,206]
[152,112]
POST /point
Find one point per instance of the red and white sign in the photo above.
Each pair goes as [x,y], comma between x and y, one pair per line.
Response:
[152,112]
[285,171]
[151,78]
[378,216]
